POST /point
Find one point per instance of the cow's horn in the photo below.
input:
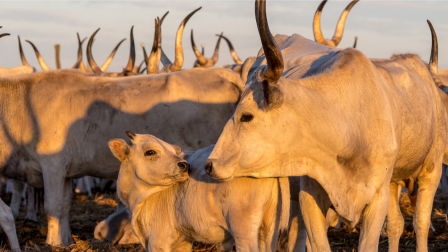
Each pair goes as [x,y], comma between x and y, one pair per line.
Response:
[216,53]
[434,60]
[39,58]
[145,55]
[272,52]
[22,56]
[131,62]
[152,62]
[111,56]
[202,50]
[356,42]
[96,70]
[140,66]
[341,23]
[232,50]
[164,59]
[130,135]
[199,56]
[57,49]
[179,53]
[78,61]
[318,36]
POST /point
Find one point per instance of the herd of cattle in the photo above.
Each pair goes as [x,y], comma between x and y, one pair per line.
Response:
[315,133]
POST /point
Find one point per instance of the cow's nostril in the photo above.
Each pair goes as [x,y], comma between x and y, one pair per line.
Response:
[209,167]
[183,165]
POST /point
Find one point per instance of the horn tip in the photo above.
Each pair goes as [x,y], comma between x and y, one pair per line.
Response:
[130,135]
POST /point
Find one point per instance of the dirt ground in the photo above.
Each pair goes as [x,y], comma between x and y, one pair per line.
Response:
[86,212]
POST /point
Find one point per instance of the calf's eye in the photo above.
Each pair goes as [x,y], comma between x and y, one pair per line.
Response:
[246,118]
[150,153]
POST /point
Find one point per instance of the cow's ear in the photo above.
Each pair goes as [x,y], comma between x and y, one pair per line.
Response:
[119,148]
[273,94]
[178,149]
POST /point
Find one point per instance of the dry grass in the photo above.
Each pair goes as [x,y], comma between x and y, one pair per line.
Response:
[86,212]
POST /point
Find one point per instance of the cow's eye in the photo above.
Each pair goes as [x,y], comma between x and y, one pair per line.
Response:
[246,118]
[150,153]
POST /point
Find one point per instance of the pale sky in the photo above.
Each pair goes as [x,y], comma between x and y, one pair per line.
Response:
[383,27]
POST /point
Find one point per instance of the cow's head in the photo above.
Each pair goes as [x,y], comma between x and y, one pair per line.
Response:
[148,164]
[257,134]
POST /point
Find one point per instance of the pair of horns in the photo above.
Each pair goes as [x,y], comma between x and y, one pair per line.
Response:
[337,37]
[98,71]
[201,58]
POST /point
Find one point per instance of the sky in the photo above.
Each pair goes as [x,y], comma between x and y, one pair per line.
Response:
[383,27]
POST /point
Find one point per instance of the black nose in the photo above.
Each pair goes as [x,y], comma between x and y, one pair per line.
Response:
[184,166]
[209,167]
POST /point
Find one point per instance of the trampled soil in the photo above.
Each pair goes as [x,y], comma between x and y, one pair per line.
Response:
[86,212]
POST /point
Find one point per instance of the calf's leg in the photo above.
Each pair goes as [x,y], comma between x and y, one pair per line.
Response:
[7,223]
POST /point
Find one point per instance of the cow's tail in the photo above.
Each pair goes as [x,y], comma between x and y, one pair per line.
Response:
[284,214]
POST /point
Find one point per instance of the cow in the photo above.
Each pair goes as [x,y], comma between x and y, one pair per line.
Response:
[337,37]
[202,61]
[347,124]
[54,124]
[173,202]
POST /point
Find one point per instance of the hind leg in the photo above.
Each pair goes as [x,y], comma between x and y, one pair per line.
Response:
[395,221]
[427,187]
[18,189]
[7,223]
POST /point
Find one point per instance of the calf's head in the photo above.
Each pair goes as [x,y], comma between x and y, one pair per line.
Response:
[148,166]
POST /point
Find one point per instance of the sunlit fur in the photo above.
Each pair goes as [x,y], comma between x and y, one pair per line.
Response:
[247,212]
[351,124]
[55,124]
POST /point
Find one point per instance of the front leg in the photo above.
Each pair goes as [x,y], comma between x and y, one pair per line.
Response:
[7,223]
[53,199]
[64,221]
[373,220]
[314,203]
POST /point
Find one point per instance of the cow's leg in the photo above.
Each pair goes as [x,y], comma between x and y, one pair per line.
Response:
[17,192]
[31,213]
[314,203]
[297,230]
[443,179]
[64,220]
[54,195]
[373,220]
[395,221]
[7,223]
[427,187]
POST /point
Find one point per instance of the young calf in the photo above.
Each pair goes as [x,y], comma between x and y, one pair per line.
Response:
[172,204]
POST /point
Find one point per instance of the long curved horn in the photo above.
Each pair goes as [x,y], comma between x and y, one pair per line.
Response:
[78,61]
[318,36]
[111,56]
[356,42]
[179,53]
[199,56]
[434,60]
[341,23]
[274,57]
[22,56]
[131,61]
[4,34]
[96,70]
[39,58]
[216,53]
[145,56]
[232,50]
[152,62]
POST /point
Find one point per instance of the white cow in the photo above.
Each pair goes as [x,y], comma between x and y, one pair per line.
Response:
[352,125]
[173,204]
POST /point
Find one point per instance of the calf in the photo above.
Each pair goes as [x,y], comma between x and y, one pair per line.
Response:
[172,204]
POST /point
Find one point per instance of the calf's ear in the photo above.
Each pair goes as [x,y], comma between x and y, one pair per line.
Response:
[119,148]
[178,149]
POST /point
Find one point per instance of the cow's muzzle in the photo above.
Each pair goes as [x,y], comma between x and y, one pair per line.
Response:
[184,166]
[209,167]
